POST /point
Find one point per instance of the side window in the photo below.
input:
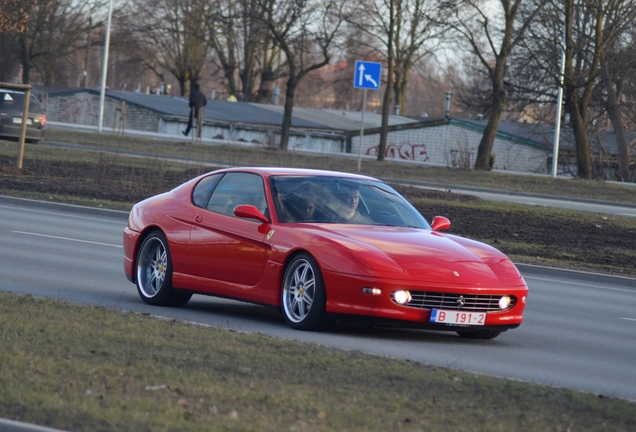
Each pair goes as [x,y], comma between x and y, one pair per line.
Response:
[34,106]
[236,189]
[203,190]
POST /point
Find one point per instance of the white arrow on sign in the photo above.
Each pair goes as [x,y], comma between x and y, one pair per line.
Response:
[370,78]
[361,69]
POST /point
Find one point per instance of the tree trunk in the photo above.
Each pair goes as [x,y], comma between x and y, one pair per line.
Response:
[25,57]
[287,114]
[386,106]
[579,129]
[500,98]
[386,103]
[613,111]
[401,81]
[267,83]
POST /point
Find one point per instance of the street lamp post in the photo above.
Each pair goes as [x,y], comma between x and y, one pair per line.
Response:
[557,126]
[102,94]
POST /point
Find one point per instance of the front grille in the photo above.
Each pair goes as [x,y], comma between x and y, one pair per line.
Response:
[464,302]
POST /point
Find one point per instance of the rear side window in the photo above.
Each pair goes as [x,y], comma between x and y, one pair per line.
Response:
[34,106]
[237,189]
[203,190]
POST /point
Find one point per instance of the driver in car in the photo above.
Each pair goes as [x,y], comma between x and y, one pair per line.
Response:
[348,209]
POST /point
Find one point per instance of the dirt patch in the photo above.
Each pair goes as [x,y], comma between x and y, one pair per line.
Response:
[14,171]
[99,180]
[580,243]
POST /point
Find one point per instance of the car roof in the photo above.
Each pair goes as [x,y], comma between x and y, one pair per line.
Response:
[282,171]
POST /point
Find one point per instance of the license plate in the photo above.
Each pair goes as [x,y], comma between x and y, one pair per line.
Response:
[18,120]
[458,317]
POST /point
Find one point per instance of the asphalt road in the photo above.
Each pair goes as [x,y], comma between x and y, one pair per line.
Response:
[578,331]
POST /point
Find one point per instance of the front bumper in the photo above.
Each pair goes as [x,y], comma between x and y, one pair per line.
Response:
[345,296]
[130,241]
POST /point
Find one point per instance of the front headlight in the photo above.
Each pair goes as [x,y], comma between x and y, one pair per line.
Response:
[402,297]
[504,302]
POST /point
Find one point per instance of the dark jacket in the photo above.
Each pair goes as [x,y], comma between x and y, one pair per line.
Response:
[197,99]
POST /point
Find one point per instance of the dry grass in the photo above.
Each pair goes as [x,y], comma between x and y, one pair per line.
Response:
[264,156]
[85,368]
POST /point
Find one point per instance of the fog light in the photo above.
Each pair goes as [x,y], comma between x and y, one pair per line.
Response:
[402,297]
[504,302]
[372,291]
[523,299]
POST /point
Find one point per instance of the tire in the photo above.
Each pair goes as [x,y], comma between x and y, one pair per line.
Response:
[154,273]
[483,334]
[303,296]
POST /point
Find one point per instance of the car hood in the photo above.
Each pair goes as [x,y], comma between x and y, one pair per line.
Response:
[424,255]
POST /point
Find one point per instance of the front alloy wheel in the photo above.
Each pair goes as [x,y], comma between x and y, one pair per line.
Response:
[303,295]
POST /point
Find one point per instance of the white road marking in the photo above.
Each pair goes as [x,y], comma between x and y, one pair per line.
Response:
[70,215]
[66,238]
[628,319]
[581,284]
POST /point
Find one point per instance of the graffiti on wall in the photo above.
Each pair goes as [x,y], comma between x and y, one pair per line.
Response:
[406,151]
[77,111]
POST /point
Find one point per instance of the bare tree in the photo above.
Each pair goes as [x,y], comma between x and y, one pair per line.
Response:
[491,36]
[305,31]
[244,49]
[175,35]
[14,14]
[51,34]
[618,67]
[591,27]
[403,33]
[588,32]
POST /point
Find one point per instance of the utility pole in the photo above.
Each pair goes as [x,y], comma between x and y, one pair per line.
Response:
[88,52]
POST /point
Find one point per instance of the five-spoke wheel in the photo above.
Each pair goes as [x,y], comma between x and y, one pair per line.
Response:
[154,273]
[303,294]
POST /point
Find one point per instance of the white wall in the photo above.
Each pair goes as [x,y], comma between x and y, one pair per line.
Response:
[453,145]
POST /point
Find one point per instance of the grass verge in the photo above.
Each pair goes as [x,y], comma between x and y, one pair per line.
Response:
[265,156]
[84,368]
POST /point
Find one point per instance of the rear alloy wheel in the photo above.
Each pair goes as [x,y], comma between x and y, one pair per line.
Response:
[483,334]
[154,273]
[303,295]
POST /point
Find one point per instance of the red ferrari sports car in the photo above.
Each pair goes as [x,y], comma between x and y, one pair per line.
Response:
[318,245]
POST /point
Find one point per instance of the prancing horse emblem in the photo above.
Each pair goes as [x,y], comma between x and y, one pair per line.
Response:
[461,301]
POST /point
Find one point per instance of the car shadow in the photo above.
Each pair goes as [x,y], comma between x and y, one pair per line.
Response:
[225,313]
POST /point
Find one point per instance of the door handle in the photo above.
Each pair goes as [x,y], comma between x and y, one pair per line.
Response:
[198,218]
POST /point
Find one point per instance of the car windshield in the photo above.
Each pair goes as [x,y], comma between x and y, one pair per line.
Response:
[322,199]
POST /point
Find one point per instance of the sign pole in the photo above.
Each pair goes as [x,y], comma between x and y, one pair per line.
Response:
[25,117]
[367,75]
[364,108]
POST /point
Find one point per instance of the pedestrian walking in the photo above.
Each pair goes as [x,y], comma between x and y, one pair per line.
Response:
[197,102]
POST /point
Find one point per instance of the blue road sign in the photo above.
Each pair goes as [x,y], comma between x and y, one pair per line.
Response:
[367,75]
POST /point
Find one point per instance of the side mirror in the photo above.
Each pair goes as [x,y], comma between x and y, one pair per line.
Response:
[440,223]
[249,212]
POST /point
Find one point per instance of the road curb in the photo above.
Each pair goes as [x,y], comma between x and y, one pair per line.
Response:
[535,270]
[44,205]
[7,425]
